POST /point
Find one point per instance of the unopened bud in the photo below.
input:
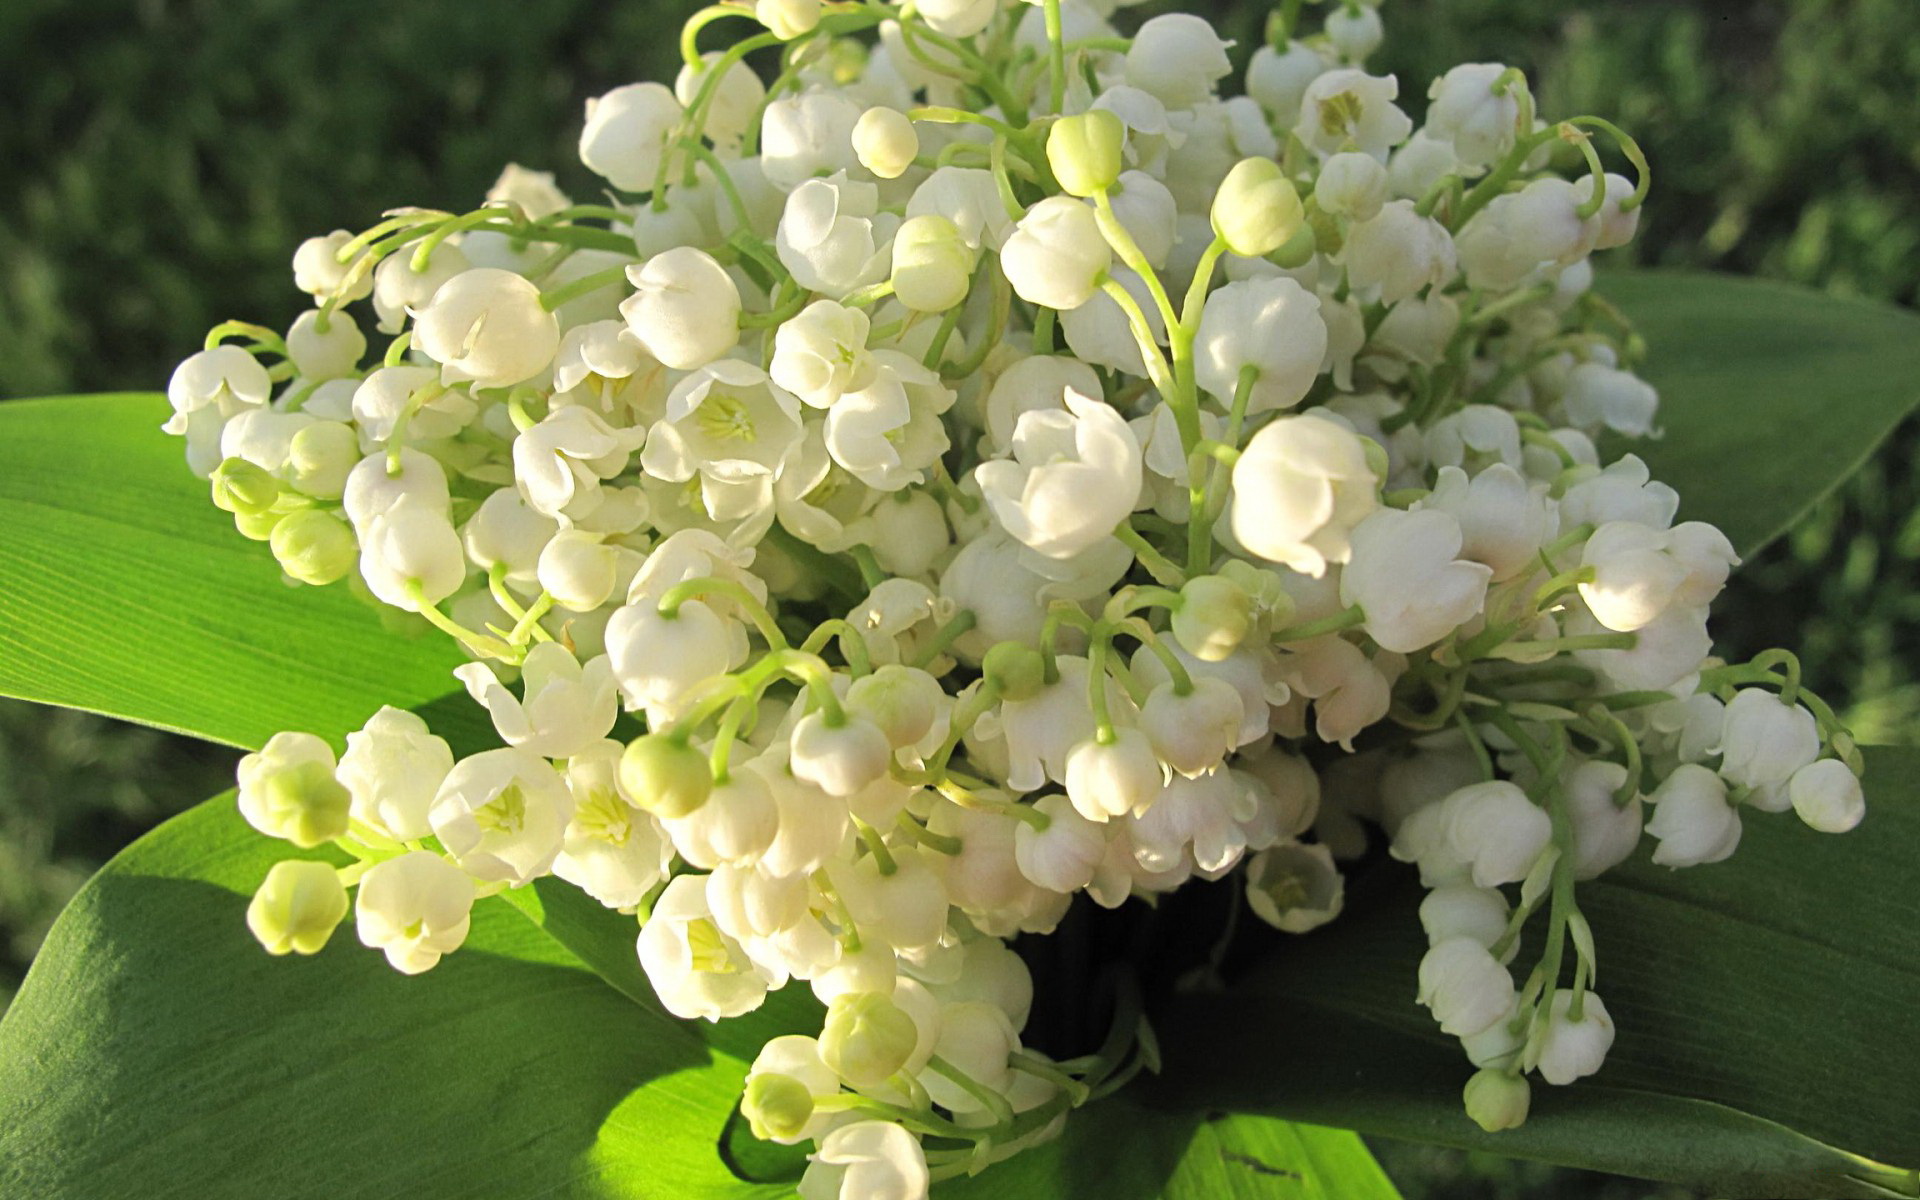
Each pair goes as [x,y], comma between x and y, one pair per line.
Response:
[777,1107]
[884,141]
[314,547]
[1084,151]
[1257,211]
[1497,1100]
[241,488]
[932,266]
[1017,669]
[298,907]
[288,790]
[1214,617]
[668,778]
[867,1038]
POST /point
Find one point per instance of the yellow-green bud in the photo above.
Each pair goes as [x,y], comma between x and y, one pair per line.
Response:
[304,803]
[298,907]
[884,141]
[777,1107]
[867,1038]
[320,457]
[1257,211]
[241,488]
[259,526]
[1084,151]
[1297,251]
[932,266]
[314,547]
[666,777]
[1497,1100]
[1214,617]
[1017,669]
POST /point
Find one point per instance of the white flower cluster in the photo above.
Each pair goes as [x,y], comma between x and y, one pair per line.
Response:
[996,468]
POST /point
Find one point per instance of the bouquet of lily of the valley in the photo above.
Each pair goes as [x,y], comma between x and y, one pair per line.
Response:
[970,522]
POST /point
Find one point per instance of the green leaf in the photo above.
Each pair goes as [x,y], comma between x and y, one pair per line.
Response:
[1770,394]
[156,1051]
[1237,1157]
[128,593]
[1766,1042]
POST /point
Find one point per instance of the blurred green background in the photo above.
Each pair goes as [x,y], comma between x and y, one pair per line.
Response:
[160,159]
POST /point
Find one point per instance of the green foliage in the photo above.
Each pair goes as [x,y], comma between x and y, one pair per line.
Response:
[131,595]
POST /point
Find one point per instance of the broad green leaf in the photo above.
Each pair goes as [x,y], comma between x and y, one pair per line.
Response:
[1237,1157]
[1766,1046]
[128,593]
[1770,394]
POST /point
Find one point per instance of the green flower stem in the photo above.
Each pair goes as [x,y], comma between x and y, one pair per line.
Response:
[267,339]
[1056,58]
[853,647]
[994,1102]
[939,843]
[876,846]
[1313,629]
[479,643]
[583,286]
[711,585]
[1176,670]
[945,636]
[1158,565]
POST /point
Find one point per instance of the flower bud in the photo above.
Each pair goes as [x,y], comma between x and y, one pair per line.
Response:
[1017,669]
[626,133]
[666,777]
[287,790]
[1084,151]
[931,265]
[1691,818]
[1827,795]
[1256,211]
[243,489]
[685,308]
[1497,1100]
[777,1107]
[884,141]
[1355,31]
[320,457]
[314,547]
[298,906]
[1766,740]
[867,1038]
[788,19]
[1214,617]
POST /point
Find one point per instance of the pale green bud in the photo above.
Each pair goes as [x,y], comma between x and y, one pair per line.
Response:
[1257,211]
[1017,669]
[314,547]
[288,790]
[298,907]
[321,456]
[668,778]
[932,266]
[1497,1100]
[867,1038]
[884,142]
[259,526]
[1214,617]
[241,488]
[1084,151]
[777,1107]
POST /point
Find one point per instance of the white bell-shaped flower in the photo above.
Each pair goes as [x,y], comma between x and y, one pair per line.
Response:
[1295,887]
[833,236]
[502,815]
[388,395]
[1497,830]
[1598,395]
[330,353]
[1463,910]
[487,327]
[1571,1049]
[685,308]
[1300,487]
[1178,58]
[735,101]
[393,768]
[841,758]
[659,660]
[1692,820]
[568,705]
[1192,733]
[410,554]
[1605,833]
[821,353]
[730,426]
[807,135]
[696,970]
[297,907]
[1397,252]
[399,289]
[1272,325]
[1075,474]
[1064,856]
[1464,987]
[1481,124]
[1827,796]
[1348,109]
[1765,741]
[888,432]
[612,850]
[318,271]
[1277,79]
[867,1159]
[737,824]
[1407,575]
[414,908]
[1123,777]
[905,908]
[1352,185]
[627,132]
[1504,519]
[1056,256]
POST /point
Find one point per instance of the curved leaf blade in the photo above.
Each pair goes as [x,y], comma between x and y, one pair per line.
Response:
[1771,394]
[1765,1045]
[128,593]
